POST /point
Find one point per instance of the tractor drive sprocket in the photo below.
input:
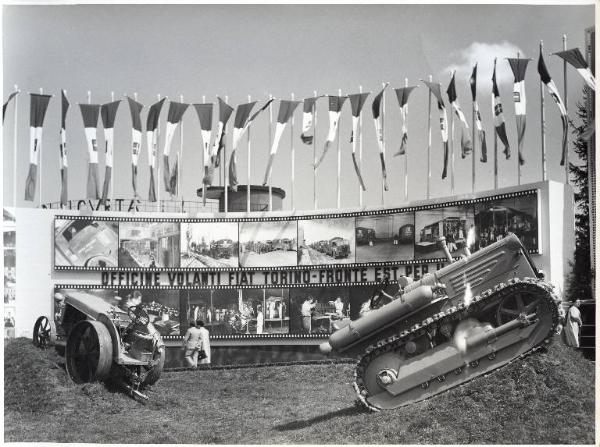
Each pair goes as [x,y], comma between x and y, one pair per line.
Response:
[382,360]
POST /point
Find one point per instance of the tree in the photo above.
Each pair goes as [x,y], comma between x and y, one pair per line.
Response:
[579,282]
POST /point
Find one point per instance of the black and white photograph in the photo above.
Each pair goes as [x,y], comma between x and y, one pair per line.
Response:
[517,215]
[209,245]
[326,241]
[317,310]
[268,244]
[299,224]
[443,231]
[385,238]
[85,243]
[149,244]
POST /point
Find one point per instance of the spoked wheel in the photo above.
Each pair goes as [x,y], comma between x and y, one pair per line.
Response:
[157,369]
[520,302]
[44,333]
[89,352]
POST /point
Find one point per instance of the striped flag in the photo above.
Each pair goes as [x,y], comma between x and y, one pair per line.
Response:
[402,95]
[335,109]
[466,144]
[546,79]
[478,123]
[308,113]
[108,113]
[225,111]
[286,110]
[135,109]
[5,105]
[63,150]
[378,120]
[435,88]
[152,144]
[241,116]
[519,66]
[357,101]
[576,59]
[38,107]
[236,139]
[498,115]
[176,111]
[205,116]
[90,113]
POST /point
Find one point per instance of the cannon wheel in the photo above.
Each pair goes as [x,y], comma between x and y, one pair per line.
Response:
[44,333]
[89,352]
[156,371]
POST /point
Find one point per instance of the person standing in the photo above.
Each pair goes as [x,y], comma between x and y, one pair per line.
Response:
[306,311]
[192,343]
[260,319]
[205,339]
[573,324]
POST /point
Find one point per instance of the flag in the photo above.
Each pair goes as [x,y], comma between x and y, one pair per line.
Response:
[435,88]
[135,108]
[308,113]
[10,97]
[63,150]
[241,116]
[378,120]
[225,111]
[90,113]
[335,109]
[519,66]
[205,116]
[286,110]
[466,145]
[402,94]
[357,101]
[576,59]
[498,115]
[478,123]
[546,79]
[38,107]
[108,113]
[152,144]
[237,135]
[176,111]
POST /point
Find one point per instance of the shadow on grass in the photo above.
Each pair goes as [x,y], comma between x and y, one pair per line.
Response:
[297,425]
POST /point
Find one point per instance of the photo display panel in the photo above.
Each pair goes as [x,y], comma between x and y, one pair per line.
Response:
[294,249]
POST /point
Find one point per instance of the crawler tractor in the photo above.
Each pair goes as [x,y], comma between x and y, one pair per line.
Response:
[473,316]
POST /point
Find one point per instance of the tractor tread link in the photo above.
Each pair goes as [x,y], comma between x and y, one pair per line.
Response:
[459,312]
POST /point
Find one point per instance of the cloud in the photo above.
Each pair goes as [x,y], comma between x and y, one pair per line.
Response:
[483,54]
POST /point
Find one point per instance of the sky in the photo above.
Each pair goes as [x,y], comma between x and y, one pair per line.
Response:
[257,50]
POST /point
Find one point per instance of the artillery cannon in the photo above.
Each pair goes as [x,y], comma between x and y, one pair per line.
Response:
[101,341]
[464,320]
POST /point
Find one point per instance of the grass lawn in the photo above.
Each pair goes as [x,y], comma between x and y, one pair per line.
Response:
[545,398]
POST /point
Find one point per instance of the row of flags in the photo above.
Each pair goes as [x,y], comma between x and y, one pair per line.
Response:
[212,148]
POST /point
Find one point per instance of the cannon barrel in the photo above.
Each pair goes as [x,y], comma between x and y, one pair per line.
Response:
[378,319]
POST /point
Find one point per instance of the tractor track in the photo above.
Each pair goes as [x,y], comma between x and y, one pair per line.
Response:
[458,313]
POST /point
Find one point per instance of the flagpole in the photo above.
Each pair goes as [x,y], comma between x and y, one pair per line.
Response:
[451,150]
[518,163]
[15,151]
[360,148]
[339,161]
[314,145]
[157,162]
[543,117]
[406,155]
[269,148]
[474,142]
[429,142]
[40,155]
[495,160]
[204,161]
[225,173]
[249,169]
[566,101]
[112,177]
[382,142]
[293,158]
[180,158]
[135,97]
